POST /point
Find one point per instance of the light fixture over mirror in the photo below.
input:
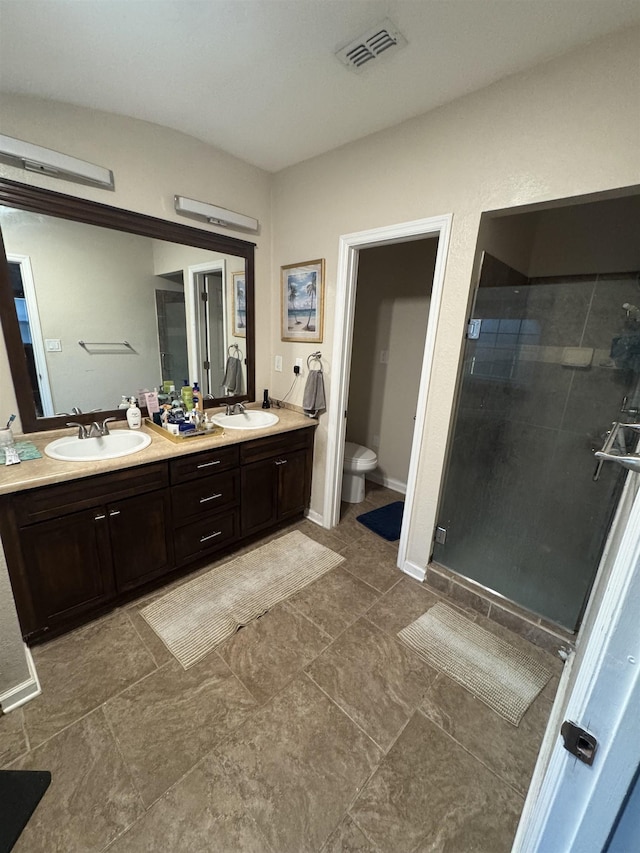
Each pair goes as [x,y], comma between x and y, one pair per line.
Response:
[214,215]
[45,161]
[99,302]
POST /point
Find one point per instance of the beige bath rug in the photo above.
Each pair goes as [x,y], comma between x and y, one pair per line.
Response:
[503,677]
[192,619]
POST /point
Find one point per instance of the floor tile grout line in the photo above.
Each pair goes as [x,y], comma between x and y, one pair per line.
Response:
[142,640]
[97,707]
[355,822]
[125,762]
[343,711]
[475,757]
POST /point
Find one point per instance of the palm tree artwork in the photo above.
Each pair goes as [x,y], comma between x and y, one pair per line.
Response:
[293,295]
[311,293]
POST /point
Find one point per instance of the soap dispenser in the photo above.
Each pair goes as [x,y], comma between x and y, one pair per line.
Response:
[134,415]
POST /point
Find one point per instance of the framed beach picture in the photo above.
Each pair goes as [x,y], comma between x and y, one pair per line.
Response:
[238,305]
[302,295]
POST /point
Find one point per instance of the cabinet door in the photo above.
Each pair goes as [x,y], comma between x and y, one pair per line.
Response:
[259,487]
[293,491]
[68,565]
[139,529]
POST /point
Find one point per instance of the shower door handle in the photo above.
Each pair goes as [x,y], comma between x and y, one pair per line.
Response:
[631,461]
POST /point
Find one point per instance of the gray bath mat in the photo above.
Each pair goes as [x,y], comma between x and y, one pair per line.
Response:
[501,676]
[192,619]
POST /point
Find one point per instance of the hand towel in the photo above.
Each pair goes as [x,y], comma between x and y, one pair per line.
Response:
[313,400]
[233,375]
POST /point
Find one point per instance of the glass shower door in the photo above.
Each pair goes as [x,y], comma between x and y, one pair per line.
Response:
[549,366]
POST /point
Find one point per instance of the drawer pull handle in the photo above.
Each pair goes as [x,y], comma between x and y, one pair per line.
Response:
[210,498]
[99,517]
[209,464]
[210,536]
[114,512]
[281,461]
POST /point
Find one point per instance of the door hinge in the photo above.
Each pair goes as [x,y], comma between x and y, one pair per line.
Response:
[206,365]
[473,329]
[578,742]
[203,295]
[441,535]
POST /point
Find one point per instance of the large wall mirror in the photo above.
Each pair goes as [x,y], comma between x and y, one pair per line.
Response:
[98,303]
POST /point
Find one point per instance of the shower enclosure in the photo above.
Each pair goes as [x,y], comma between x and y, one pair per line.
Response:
[549,364]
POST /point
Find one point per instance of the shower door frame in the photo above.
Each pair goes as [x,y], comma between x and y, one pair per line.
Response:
[346,281]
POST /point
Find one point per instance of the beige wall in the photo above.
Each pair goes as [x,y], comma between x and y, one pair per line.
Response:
[392,309]
[566,128]
[151,164]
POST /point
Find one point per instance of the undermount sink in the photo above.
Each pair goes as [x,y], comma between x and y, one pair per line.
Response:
[70,448]
[250,419]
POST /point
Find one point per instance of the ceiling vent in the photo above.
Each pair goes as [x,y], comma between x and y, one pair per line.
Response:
[381,40]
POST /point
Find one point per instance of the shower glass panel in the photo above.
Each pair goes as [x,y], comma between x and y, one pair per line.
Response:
[552,363]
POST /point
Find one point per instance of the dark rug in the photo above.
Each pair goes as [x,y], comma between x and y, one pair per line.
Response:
[385,521]
[20,793]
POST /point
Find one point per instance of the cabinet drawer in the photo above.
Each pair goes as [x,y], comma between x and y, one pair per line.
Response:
[264,448]
[205,496]
[203,464]
[206,534]
[54,501]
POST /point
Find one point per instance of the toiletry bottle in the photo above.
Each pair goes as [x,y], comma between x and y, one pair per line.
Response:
[186,393]
[265,399]
[197,397]
[134,416]
[124,403]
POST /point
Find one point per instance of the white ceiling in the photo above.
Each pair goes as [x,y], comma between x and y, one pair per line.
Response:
[259,79]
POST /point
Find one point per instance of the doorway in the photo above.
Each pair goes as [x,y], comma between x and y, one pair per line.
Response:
[346,285]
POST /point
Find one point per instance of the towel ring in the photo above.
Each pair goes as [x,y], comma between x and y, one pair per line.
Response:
[238,352]
[315,356]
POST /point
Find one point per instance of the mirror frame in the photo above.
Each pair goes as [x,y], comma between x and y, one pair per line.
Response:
[25,197]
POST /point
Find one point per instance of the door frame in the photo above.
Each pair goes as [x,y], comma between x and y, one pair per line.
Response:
[37,341]
[192,309]
[570,805]
[346,283]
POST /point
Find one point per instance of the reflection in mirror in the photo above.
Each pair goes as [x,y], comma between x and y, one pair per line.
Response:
[104,311]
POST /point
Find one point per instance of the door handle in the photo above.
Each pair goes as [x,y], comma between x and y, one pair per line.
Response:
[631,461]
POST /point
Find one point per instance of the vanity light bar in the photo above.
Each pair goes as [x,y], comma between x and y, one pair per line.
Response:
[214,215]
[34,158]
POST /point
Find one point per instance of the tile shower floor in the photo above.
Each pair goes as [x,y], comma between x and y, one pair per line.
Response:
[312,729]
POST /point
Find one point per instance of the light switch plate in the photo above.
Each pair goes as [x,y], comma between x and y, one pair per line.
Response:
[278,363]
[53,345]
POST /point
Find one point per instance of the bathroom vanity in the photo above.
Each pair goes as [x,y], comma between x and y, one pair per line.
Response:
[80,538]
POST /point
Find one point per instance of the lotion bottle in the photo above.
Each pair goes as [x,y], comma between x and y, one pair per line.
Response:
[134,415]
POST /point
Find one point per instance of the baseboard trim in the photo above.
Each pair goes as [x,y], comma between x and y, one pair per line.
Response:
[387,482]
[24,692]
[413,570]
[316,517]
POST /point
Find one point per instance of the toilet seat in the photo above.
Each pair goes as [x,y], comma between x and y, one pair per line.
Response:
[359,458]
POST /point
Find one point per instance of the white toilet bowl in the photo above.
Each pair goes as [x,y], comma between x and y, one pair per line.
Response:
[358,460]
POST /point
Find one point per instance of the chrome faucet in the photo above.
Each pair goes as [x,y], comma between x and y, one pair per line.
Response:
[94,431]
[235,409]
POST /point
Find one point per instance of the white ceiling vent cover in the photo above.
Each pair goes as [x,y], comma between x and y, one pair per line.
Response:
[380,40]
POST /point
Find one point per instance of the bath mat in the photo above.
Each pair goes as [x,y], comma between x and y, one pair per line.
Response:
[500,675]
[385,521]
[194,618]
[20,793]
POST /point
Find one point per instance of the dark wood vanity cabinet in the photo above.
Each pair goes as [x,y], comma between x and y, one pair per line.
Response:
[78,548]
[276,472]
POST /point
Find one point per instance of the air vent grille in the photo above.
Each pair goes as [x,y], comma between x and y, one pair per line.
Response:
[378,41]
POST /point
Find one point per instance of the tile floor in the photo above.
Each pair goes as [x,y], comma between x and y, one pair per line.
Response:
[312,729]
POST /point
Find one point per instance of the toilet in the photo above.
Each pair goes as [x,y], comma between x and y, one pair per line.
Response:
[358,460]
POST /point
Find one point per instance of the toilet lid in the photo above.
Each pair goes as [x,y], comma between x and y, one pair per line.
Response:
[356,452]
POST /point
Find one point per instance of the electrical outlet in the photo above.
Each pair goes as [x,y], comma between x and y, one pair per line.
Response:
[299,363]
[278,363]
